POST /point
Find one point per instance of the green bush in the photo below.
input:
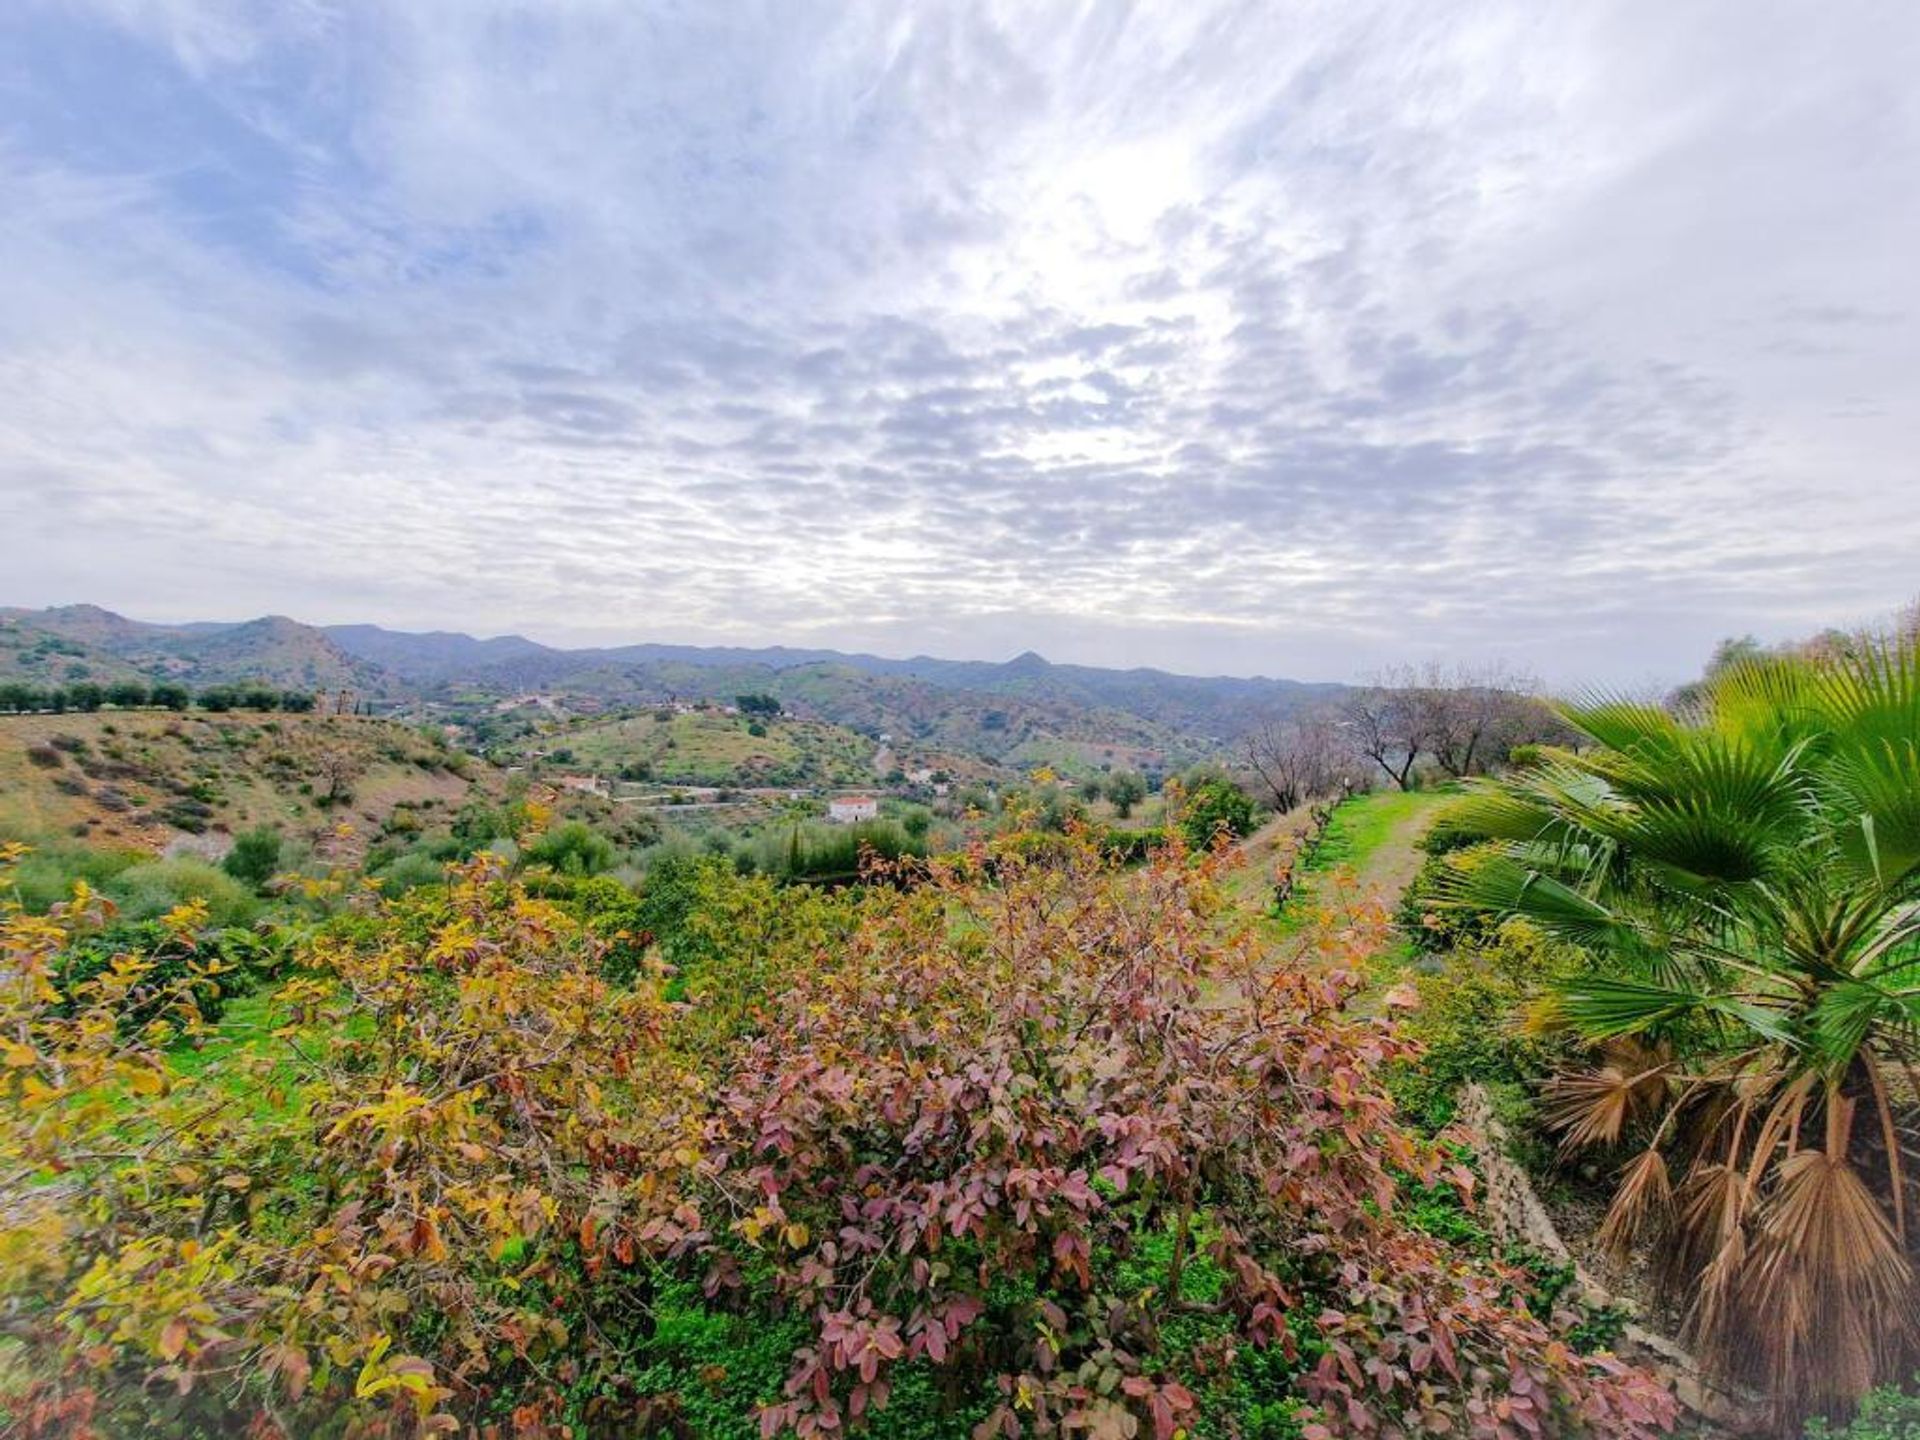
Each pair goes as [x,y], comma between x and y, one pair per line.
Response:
[255,857]
[209,968]
[149,890]
[409,871]
[820,852]
[573,848]
[1478,1020]
[46,876]
[1214,807]
[1128,846]
[615,915]
[1884,1414]
[730,938]
[479,824]
[1430,925]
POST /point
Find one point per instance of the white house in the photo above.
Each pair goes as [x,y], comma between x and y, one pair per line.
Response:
[852,809]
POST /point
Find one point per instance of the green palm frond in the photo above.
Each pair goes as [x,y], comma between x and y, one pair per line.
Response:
[1754,854]
[1771,702]
[1874,699]
[1700,843]
[1891,953]
[1604,1007]
[1499,814]
[1622,724]
[1502,887]
[1875,791]
[1850,1013]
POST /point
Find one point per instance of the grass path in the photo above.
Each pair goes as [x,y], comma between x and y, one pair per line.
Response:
[1376,836]
[1379,836]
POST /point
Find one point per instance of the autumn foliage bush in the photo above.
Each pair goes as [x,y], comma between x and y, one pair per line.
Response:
[1061,1153]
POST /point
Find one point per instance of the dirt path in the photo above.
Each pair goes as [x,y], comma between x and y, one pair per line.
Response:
[1390,866]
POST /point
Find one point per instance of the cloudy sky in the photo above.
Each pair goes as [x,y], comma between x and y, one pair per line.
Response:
[1291,339]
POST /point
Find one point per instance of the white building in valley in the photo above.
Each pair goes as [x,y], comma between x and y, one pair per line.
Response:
[852,809]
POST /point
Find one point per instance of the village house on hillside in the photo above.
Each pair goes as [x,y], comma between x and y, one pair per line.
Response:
[852,809]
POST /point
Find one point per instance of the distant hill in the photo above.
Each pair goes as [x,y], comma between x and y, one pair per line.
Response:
[147,780]
[272,651]
[1211,708]
[1004,712]
[45,659]
[431,657]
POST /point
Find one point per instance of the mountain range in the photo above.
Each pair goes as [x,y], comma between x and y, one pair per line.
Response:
[1004,710]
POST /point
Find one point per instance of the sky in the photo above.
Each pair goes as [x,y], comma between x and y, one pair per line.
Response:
[1291,339]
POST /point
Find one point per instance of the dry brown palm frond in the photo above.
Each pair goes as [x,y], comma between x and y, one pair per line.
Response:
[1643,1204]
[1597,1107]
[1710,1207]
[1716,1322]
[1828,1285]
[1890,1140]
[1723,1100]
[1630,1052]
[1781,1124]
[1757,1074]
[1706,1108]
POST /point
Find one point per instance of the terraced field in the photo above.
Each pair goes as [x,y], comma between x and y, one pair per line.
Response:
[705,748]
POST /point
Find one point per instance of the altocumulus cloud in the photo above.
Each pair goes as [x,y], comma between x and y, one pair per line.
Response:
[1247,337]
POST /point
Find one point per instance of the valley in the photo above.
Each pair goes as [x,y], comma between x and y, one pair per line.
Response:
[1021,714]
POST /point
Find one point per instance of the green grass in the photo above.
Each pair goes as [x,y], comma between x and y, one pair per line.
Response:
[1366,823]
[245,1028]
[1372,837]
[230,1058]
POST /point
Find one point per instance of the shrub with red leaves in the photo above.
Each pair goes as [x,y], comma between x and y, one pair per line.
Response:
[961,1120]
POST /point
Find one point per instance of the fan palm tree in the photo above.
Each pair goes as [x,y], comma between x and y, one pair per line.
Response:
[1745,874]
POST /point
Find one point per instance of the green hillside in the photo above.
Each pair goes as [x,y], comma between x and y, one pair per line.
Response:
[44,659]
[272,651]
[705,747]
[148,780]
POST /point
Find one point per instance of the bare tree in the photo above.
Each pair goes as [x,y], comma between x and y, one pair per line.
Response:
[339,767]
[1296,758]
[1466,718]
[1385,726]
[1472,717]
